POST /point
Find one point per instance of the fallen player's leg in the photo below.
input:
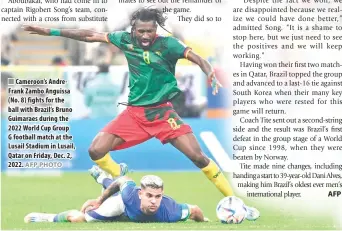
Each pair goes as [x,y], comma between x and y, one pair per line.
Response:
[66,216]
[101,177]
[111,210]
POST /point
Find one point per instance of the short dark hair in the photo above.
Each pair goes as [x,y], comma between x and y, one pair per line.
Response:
[149,14]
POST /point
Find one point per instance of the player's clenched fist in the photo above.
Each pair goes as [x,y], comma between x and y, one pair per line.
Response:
[36,30]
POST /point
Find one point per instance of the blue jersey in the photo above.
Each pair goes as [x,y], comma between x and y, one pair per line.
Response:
[169,210]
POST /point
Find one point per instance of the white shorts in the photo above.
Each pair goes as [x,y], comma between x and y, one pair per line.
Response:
[110,210]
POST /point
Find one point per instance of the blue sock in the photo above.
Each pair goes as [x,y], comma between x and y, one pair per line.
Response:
[106,182]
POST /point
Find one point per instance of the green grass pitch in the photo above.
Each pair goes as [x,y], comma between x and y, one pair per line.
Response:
[22,195]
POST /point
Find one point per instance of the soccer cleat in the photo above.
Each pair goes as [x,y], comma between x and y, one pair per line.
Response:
[252,213]
[123,169]
[98,174]
[39,217]
[95,172]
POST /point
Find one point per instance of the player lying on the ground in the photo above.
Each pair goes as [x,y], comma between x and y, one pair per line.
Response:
[138,204]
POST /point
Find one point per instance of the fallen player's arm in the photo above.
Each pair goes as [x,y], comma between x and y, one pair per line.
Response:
[196,214]
[113,188]
[202,63]
[76,34]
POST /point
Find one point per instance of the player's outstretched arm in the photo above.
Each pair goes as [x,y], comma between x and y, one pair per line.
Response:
[76,34]
[202,63]
[196,214]
[206,68]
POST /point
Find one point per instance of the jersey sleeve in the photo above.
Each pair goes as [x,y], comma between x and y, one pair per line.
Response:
[174,212]
[177,48]
[185,212]
[115,38]
[127,191]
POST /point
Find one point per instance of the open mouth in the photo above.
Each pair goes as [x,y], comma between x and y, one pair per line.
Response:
[145,43]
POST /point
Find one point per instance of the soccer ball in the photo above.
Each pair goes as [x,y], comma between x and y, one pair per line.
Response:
[231,210]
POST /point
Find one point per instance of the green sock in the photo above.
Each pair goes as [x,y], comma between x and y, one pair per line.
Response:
[62,217]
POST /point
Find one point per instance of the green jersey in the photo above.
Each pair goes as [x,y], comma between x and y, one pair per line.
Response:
[151,72]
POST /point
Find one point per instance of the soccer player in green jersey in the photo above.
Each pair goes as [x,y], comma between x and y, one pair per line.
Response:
[152,83]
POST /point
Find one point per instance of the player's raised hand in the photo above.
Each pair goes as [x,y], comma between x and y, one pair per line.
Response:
[215,84]
[36,30]
[90,205]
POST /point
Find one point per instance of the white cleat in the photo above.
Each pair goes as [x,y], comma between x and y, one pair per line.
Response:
[98,174]
[252,213]
[39,217]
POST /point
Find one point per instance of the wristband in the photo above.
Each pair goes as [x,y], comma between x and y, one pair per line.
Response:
[55,32]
